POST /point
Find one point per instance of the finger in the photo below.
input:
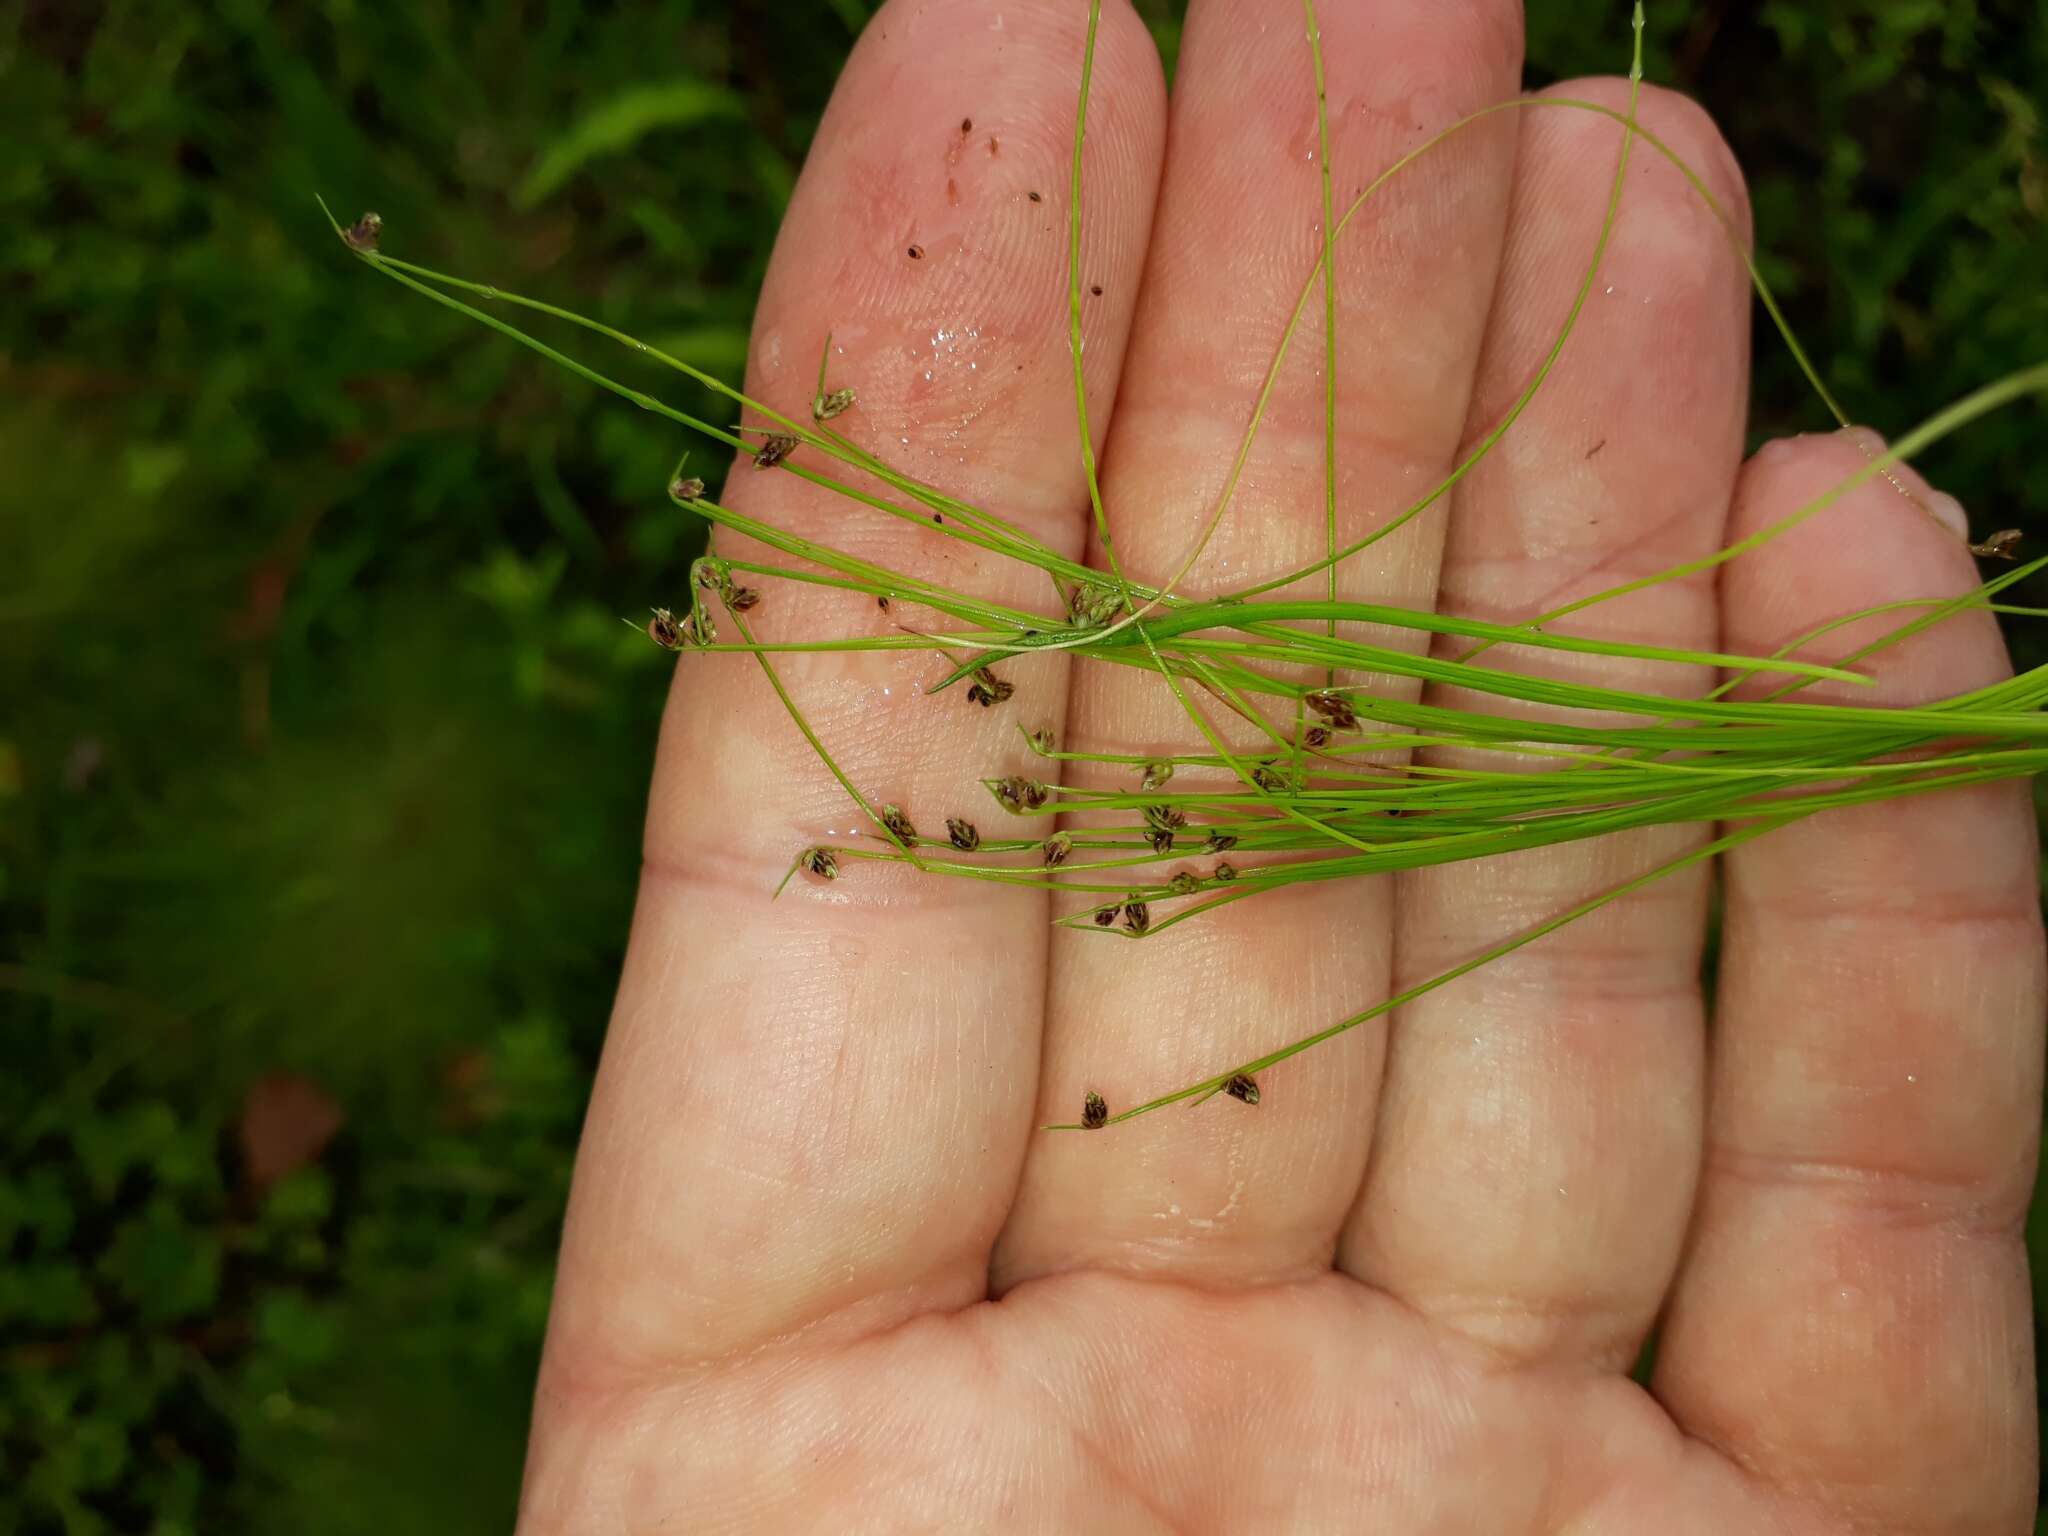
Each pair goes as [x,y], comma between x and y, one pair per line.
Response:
[820,1101]
[1240,228]
[1852,1317]
[1539,1130]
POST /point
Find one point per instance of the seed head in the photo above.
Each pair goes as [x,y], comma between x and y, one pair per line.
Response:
[1057,847]
[1333,707]
[1165,818]
[1137,918]
[1094,1112]
[686,488]
[1243,1089]
[773,450]
[1221,842]
[698,628]
[1224,870]
[1104,916]
[838,403]
[882,601]
[1018,794]
[1157,773]
[1042,741]
[1184,884]
[1093,605]
[1317,736]
[989,689]
[1268,777]
[365,232]
[1160,839]
[743,598]
[822,862]
[2002,545]
[898,825]
[664,631]
[964,834]
[711,575]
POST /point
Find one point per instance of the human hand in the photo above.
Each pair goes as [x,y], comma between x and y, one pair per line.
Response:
[821,1271]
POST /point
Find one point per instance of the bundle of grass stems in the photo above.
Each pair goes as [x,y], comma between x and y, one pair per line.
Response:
[1331,789]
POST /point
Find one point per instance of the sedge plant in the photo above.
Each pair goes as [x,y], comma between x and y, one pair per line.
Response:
[1331,789]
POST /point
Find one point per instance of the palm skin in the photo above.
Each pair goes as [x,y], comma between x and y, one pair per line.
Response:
[821,1271]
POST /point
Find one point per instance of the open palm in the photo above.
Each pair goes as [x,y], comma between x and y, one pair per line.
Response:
[821,1270]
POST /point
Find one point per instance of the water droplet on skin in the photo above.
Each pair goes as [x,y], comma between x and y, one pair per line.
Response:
[1610,287]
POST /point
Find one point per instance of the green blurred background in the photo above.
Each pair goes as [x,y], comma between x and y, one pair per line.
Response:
[322,748]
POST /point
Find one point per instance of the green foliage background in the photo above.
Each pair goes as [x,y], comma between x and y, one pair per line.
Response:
[321,746]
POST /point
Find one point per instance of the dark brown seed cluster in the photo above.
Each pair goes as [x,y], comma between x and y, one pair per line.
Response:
[988,689]
[1018,794]
[664,631]
[838,403]
[365,232]
[964,834]
[1243,1089]
[714,575]
[1094,1112]
[1224,870]
[898,825]
[1137,918]
[1057,847]
[1316,736]
[1184,884]
[1221,842]
[1042,741]
[1268,777]
[1104,916]
[773,450]
[1161,822]
[1333,707]
[822,862]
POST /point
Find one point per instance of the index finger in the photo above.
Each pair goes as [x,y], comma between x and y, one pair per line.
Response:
[820,1102]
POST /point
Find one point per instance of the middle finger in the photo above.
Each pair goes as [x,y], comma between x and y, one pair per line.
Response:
[1238,230]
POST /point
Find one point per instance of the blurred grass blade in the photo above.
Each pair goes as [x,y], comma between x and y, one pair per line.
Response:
[617,124]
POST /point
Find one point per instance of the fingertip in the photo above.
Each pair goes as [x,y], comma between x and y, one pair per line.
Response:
[1886,537]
